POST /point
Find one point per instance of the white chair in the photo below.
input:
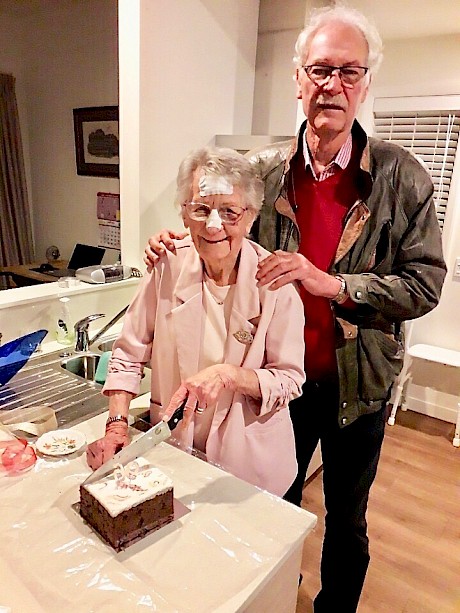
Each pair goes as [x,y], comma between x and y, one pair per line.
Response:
[431,353]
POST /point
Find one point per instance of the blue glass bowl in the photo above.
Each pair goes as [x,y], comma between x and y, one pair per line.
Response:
[15,354]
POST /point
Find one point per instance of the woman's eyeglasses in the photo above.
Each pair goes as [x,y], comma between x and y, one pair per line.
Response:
[229,214]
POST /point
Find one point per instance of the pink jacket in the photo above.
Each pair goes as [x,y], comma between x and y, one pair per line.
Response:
[251,439]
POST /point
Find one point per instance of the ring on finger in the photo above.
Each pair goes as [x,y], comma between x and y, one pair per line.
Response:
[199,410]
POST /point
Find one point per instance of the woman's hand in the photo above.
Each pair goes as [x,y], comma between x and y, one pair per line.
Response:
[116,437]
[158,243]
[116,432]
[202,390]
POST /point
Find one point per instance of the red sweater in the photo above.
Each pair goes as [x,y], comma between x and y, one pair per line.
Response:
[321,207]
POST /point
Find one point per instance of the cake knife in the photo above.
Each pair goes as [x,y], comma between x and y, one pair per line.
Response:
[156,434]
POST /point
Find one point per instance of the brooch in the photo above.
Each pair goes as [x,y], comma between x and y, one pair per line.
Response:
[244,337]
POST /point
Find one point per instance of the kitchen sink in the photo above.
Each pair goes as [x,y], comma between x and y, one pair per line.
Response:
[65,382]
[106,345]
[43,381]
[83,365]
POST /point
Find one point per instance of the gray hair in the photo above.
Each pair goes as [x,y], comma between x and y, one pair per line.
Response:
[344,14]
[221,162]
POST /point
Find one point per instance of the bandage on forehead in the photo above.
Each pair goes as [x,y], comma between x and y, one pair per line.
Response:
[210,185]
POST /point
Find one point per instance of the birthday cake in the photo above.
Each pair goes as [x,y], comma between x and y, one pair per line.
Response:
[128,504]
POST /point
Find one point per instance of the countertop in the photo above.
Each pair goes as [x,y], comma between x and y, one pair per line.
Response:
[237,548]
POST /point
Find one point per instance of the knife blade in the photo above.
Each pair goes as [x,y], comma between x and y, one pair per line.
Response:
[155,435]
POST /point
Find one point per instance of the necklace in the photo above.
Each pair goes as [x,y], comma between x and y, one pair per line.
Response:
[218,293]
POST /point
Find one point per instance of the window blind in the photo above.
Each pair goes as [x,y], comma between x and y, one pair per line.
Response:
[432,136]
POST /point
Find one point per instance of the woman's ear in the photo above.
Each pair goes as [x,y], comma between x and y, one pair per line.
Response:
[184,220]
[252,219]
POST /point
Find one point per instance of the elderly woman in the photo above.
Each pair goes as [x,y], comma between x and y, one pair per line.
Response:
[232,350]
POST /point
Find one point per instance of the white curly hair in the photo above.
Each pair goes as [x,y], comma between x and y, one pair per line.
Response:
[340,12]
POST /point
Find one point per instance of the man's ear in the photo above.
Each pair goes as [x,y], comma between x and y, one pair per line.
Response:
[298,84]
[366,90]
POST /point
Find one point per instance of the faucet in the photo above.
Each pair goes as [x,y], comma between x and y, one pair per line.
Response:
[81,331]
[111,323]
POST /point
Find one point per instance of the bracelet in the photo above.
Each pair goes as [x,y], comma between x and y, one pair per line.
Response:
[115,418]
[342,293]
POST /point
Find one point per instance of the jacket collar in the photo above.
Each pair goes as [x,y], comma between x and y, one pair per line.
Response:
[246,298]
[358,135]
[359,212]
[188,283]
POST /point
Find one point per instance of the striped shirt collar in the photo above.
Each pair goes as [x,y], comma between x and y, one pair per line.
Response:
[341,160]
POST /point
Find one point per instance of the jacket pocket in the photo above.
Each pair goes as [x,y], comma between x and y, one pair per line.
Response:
[269,452]
[381,255]
[379,363]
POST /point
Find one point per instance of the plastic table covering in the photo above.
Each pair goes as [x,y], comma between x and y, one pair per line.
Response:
[237,548]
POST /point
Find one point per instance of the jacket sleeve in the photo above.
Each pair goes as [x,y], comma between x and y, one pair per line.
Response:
[283,374]
[406,278]
[133,347]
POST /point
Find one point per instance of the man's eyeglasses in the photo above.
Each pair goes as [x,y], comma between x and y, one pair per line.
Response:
[229,214]
[321,73]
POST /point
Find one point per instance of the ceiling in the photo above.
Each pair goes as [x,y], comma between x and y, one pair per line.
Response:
[412,18]
[393,18]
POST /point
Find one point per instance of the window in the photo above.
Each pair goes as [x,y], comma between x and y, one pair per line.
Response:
[431,135]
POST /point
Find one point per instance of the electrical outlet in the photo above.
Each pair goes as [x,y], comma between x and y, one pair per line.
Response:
[457,267]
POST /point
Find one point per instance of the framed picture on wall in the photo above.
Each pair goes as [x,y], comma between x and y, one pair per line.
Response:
[97,141]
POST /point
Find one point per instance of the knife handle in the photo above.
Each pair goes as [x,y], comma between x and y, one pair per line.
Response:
[177,416]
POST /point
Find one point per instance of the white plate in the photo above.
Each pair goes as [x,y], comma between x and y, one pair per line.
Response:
[60,442]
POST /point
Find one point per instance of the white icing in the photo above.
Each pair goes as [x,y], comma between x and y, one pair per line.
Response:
[210,185]
[128,486]
[214,221]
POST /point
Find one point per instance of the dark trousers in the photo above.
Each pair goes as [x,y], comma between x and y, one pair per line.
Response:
[350,457]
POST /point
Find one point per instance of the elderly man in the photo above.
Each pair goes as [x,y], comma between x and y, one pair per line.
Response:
[351,219]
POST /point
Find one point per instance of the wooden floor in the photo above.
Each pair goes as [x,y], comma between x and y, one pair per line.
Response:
[414,523]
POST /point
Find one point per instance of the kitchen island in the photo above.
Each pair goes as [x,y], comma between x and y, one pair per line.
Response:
[234,548]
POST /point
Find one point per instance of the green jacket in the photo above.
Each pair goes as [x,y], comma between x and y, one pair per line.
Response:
[390,256]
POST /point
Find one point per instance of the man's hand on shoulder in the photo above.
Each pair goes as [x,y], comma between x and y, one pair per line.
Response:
[159,243]
[282,267]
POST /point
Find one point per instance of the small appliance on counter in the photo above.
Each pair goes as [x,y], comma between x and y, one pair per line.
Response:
[106,273]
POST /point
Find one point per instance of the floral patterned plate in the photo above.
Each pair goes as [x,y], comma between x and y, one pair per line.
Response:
[60,442]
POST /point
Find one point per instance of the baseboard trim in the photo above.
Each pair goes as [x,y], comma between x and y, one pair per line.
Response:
[417,400]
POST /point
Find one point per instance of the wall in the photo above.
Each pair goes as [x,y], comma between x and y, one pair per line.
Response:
[187,86]
[64,56]
[435,387]
[12,62]
[429,67]
[19,314]
[275,105]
